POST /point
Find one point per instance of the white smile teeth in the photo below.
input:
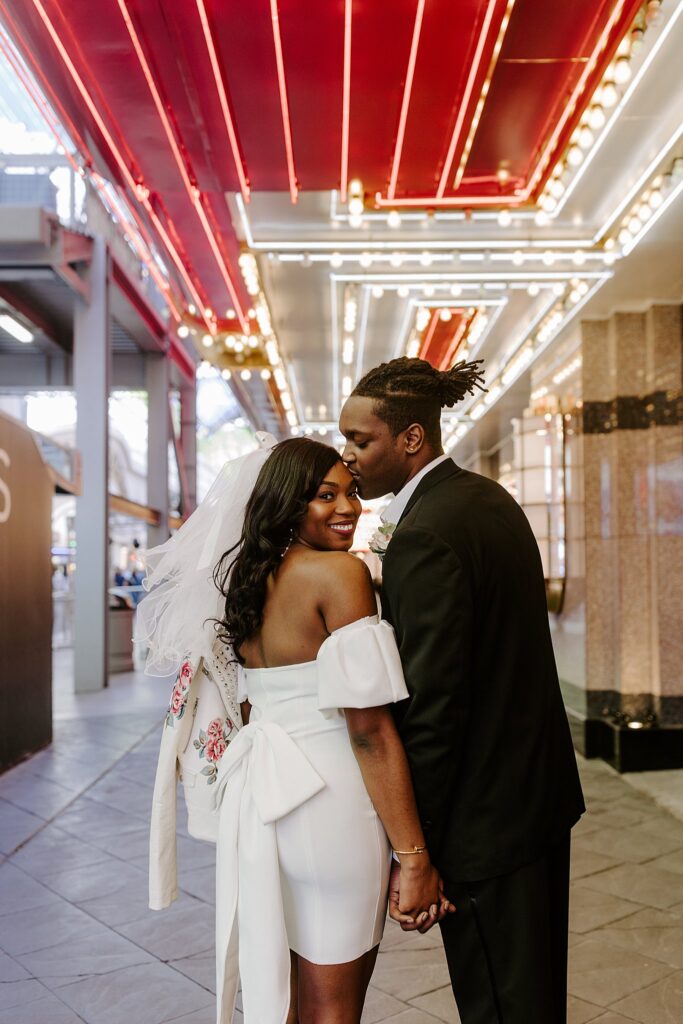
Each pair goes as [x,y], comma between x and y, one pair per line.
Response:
[342,529]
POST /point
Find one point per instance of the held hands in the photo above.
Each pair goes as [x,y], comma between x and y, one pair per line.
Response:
[414,886]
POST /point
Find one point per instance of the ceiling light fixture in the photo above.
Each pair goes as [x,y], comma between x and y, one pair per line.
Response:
[17,330]
[346,100]
[405,103]
[284,104]
[225,107]
[466,99]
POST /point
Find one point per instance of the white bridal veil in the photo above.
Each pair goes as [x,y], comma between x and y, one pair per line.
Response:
[176,618]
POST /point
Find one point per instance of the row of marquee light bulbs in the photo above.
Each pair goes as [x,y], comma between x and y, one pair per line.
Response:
[605,97]
[245,356]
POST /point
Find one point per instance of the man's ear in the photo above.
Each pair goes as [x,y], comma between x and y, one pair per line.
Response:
[414,438]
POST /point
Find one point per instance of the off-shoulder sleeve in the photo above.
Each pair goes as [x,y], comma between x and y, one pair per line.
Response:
[359,667]
[241,684]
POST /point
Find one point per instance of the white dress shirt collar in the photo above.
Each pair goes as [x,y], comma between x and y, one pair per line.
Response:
[397,506]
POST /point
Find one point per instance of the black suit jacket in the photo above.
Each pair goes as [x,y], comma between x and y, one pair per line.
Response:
[485,728]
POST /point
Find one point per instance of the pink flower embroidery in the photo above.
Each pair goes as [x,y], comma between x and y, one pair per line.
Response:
[215,729]
[212,744]
[176,708]
[215,749]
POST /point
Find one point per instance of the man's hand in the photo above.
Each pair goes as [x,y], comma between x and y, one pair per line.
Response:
[423,921]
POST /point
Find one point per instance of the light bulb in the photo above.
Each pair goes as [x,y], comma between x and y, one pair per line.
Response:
[558,288]
[596,117]
[574,155]
[505,218]
[226,374]
[533,290]
[624,236]
[422,318]
[183,331]
[403,292]
[396,259]
[624,47]
[355,220]
[365,259]
[245,374]
[548,258]
[336,260]
[425,259]
[637,35]
[586,138]
[518,258]
[356,206]
[635,224]
[547,202]
[445,315]
[609,95]
[377,291]
[556,188]
[265,374]
[541,218]
[455,290]
[355,187]
[394,219]
[655,200]
[207,340]
[428,291]
[622,71]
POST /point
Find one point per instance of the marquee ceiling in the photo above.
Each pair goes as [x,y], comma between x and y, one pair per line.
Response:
[230,127]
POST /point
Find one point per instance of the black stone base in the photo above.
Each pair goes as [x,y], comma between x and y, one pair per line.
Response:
[652,748]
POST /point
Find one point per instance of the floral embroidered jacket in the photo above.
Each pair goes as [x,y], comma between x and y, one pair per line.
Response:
[202,719]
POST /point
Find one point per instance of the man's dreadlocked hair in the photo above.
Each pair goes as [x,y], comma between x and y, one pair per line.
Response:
[413,391]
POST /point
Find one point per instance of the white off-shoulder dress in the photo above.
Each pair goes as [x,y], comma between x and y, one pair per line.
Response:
[302,858]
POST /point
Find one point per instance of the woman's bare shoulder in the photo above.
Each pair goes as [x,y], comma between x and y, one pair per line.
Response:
[338,567]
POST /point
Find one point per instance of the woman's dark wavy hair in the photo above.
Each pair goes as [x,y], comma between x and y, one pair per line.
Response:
[288,480]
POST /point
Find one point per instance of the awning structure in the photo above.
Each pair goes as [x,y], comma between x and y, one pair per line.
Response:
[293,162]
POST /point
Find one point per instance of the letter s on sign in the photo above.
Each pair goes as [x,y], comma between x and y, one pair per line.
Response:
[5,495]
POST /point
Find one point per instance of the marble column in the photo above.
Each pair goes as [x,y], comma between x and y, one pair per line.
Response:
[633,475]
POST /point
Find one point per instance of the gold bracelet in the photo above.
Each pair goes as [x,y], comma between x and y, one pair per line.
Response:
[407,853]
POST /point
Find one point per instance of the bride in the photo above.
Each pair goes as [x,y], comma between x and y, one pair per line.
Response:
[314,792]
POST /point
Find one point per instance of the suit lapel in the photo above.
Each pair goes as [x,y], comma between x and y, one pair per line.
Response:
[443,471]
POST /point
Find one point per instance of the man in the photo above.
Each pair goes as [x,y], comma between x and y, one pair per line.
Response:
[485,729]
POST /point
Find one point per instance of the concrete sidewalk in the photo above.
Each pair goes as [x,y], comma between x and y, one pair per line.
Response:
[79,944]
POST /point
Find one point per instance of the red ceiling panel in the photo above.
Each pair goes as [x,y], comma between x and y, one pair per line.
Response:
[534,76]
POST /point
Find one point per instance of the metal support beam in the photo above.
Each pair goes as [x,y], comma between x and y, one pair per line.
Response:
[91,363]
[158,437]
[188,441]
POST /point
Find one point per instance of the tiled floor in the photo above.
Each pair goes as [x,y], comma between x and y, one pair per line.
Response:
[77,942]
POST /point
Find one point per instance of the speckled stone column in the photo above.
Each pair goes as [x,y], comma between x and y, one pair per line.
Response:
[633,478]
[664,326]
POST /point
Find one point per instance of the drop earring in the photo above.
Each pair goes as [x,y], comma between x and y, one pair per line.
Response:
[289,543]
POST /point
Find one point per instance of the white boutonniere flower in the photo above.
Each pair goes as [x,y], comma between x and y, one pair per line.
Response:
[379,542]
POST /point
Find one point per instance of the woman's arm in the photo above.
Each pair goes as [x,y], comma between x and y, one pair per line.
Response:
[347,597]
[385,771]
